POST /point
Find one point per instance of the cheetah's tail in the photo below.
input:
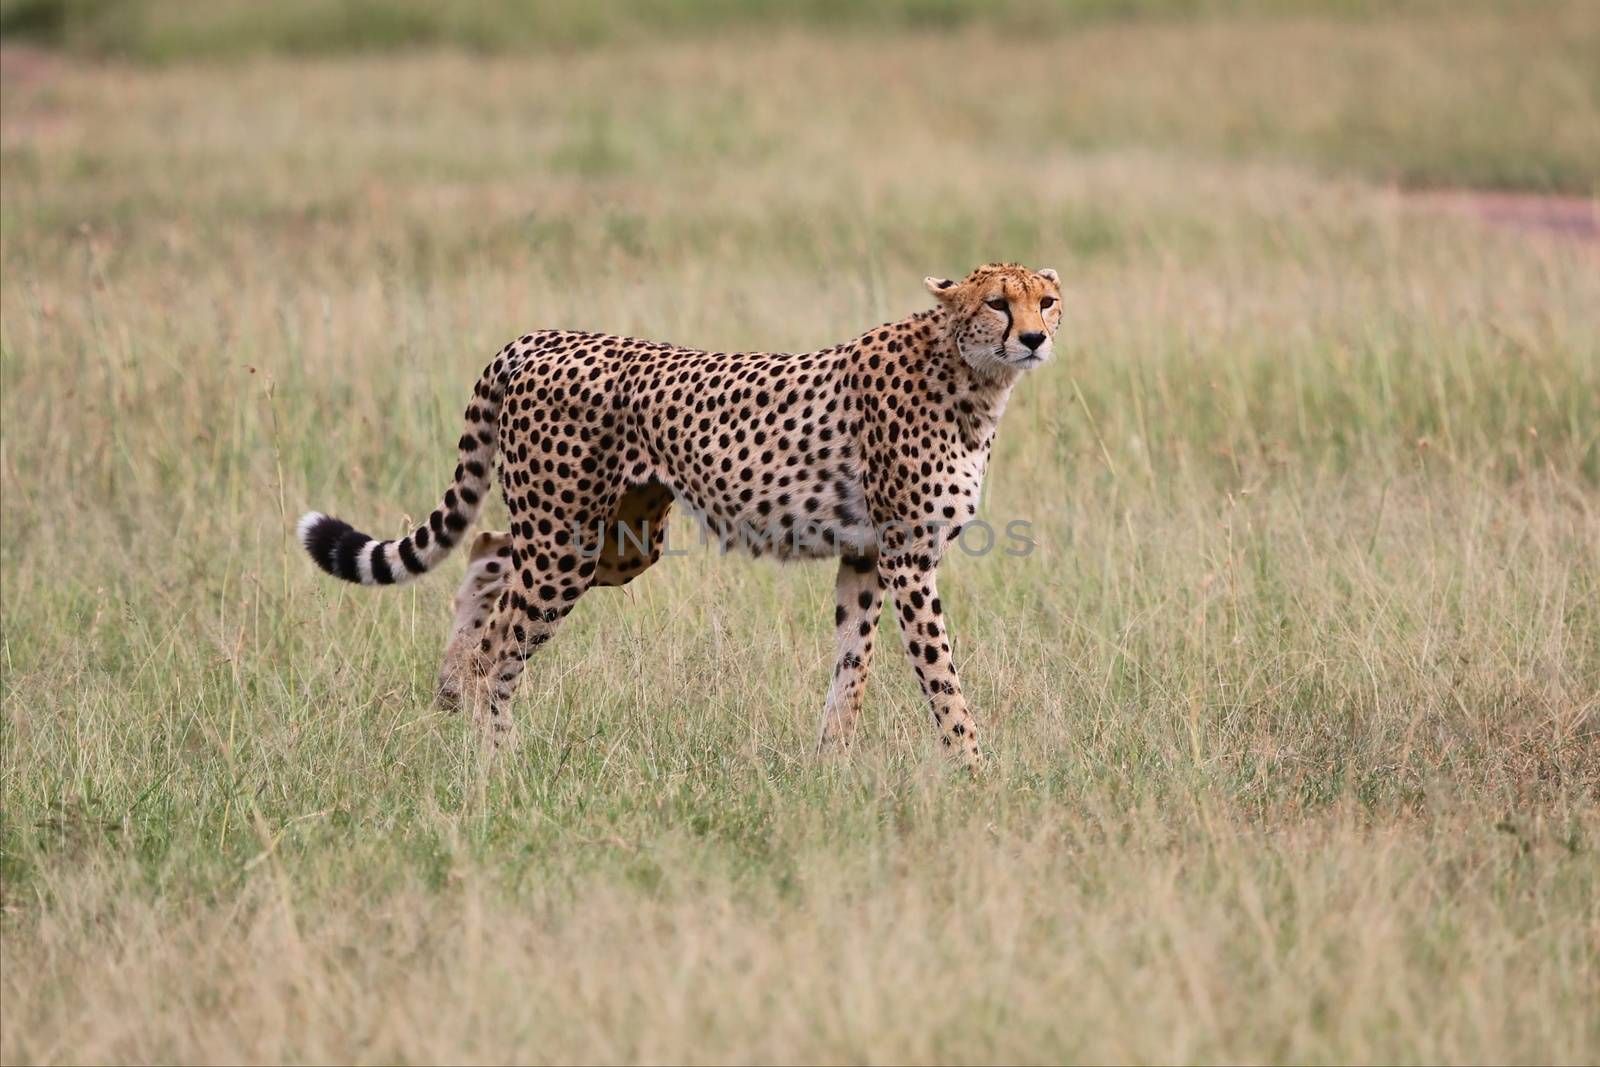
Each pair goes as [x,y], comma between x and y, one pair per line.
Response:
[345,552]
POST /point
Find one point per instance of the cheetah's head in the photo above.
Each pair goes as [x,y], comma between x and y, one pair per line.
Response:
[1002,316]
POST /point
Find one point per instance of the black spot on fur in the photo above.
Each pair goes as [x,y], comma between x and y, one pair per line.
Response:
[380,566]
[347,552]
[409,557]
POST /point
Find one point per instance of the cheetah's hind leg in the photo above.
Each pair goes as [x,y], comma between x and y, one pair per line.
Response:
[549,570]
[634,535]
[488,562]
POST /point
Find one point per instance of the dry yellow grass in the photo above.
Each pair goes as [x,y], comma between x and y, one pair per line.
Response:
[1293,713]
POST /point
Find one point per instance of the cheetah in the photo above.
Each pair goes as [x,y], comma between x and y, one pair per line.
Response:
[872,451]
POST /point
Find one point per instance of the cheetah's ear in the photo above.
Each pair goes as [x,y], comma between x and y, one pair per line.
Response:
[486,543]
[1050,275]
[940,287]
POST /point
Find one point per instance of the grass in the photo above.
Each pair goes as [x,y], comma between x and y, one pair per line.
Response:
[1433,93]
[165,31]
[1292,715]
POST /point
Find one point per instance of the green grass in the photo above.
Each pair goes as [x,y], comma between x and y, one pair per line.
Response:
[1292,717]
[165,31]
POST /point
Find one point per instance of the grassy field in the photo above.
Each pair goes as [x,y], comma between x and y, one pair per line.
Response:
[1292,716]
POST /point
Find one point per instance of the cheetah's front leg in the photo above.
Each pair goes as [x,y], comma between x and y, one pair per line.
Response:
[911,579]
[858,597]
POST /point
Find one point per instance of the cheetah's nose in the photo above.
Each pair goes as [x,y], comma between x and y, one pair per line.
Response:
[1032,340]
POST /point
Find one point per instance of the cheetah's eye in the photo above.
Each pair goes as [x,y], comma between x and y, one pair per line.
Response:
[1047,302]
[998,303]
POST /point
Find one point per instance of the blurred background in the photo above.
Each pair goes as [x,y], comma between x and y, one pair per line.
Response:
[1293,712]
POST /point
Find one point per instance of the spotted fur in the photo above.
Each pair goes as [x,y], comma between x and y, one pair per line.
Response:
[487,567]
[872,451]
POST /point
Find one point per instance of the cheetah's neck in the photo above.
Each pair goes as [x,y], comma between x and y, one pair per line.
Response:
[980,398]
